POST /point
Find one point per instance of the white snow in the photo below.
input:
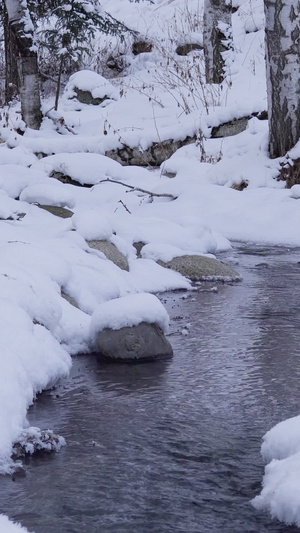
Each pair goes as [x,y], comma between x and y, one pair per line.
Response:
[45,260]
[129,311]
[87,80]
[280,494]
[10,527]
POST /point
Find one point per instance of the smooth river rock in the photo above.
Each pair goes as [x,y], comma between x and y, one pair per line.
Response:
[201,268]
[137,343]
[111,252]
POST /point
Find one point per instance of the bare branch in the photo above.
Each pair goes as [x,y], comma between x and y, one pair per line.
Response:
[132,188]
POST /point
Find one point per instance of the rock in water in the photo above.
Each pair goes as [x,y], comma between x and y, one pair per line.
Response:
[202,268]
[137,343]
[33,440]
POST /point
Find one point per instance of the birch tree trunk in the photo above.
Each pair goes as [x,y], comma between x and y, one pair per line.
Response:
[11,67]
[216,38]
[283,74]
[21,25]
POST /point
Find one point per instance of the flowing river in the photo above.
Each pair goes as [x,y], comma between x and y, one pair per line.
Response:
[174,446]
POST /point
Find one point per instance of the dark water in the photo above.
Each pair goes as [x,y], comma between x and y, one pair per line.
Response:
[174,446]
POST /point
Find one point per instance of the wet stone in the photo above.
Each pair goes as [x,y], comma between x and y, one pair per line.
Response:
[141,342]
[199,267]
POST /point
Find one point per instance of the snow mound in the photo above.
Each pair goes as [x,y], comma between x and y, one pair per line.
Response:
[280,495]
[87,80]
[282,440]
[129,311]
[84,168]
[295,192]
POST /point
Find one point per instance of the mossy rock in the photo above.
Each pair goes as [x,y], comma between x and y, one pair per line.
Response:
[111,252]
[202,268]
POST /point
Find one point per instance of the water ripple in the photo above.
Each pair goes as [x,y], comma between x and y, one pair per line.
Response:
[174,446]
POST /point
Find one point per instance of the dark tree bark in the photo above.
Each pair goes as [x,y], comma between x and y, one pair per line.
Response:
[216,38]
[283,74]
[20,24]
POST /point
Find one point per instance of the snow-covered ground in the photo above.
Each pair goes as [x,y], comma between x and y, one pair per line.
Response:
[159,96]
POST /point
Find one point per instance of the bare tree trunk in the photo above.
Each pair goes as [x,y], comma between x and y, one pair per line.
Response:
[11,67]
[20,24]
[283,74]
[61,64]
[216,38]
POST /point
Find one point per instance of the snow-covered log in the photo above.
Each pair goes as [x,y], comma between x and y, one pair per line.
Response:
[216,38]
[283,74]
[21,25]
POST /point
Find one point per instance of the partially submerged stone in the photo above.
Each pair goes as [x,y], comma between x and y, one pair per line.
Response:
[136,343]
[201,268]
[34,440]
[111,252]
[131,328]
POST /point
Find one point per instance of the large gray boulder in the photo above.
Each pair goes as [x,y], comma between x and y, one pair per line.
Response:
[111,252]
[142,342]
[199,267]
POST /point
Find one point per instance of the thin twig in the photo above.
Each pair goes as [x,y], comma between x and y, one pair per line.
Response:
[125,206]
[165,195]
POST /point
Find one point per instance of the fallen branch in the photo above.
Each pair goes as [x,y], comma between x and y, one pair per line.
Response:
[132,189]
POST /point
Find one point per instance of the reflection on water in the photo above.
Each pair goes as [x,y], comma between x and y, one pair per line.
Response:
[174,446]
